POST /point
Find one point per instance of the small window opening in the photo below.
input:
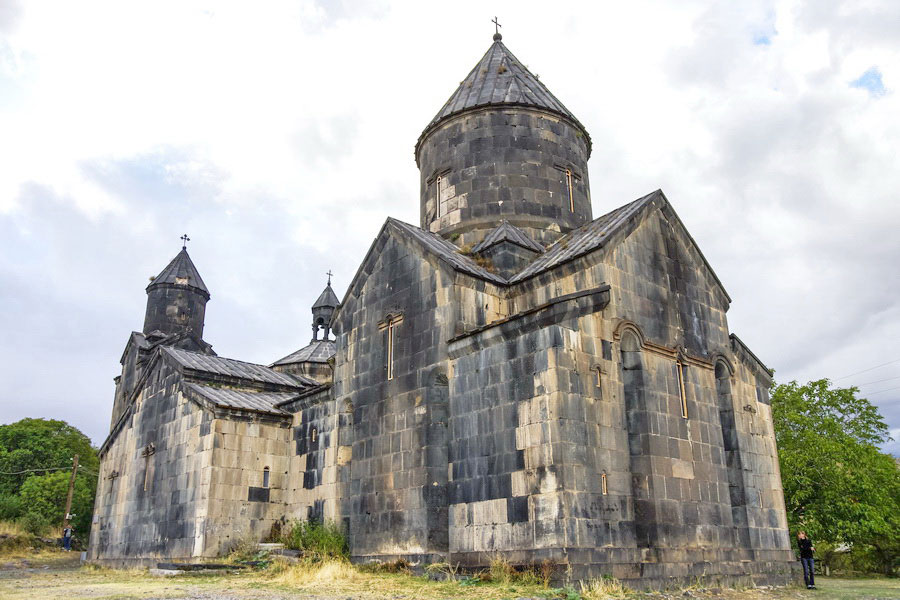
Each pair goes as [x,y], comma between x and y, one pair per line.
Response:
[684,408]
[603,487]
[266,477]
[390,325]
[438,188]
[314,435]
[570,187]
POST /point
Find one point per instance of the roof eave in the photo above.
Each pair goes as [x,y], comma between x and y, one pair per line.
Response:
[500,106]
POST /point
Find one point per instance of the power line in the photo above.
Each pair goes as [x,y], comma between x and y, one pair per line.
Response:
[887,390]
[879,381]
[80,468]
[869,369]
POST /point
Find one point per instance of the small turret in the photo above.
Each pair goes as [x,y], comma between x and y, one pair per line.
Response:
[322,310]
[176,299]
[315,359]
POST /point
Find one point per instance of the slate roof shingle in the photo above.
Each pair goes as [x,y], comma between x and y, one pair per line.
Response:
[318,351]
[256,401]
[447,252]
[327,298]
[500,78]
[179,270]
[585,239]
[508,232]
[236,368]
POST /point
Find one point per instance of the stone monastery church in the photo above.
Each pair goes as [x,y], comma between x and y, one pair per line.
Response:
[512,376]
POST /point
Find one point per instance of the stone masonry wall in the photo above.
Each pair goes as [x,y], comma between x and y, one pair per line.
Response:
[240,504]
[399,464]
[671,503]
[320,451]
[135,523]
[503,164]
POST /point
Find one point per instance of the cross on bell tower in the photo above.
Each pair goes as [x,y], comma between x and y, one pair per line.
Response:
[497,26]
[184,240]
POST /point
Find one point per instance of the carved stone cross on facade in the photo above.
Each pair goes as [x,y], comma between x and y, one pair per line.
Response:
[148,451]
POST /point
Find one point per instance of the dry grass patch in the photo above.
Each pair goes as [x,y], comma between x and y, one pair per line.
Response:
[603,588]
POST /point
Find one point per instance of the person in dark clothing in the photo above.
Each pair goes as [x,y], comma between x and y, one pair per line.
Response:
[67,538]
[806,559]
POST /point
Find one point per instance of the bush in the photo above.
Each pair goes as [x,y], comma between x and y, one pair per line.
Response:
[316,539]
[34,523]
[11,507]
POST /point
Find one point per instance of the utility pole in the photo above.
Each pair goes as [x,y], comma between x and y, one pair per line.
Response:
[71,489]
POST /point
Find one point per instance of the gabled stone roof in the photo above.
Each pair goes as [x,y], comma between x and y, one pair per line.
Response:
[261,402]
[509,233]
[327,298]
[585,239]
[446,251]
[181,271]
[217,365]
[318,351]
[500,78]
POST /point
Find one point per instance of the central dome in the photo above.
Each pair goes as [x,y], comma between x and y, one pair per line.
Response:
[503,147]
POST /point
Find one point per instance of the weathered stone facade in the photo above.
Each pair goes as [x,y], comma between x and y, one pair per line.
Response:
[513,377]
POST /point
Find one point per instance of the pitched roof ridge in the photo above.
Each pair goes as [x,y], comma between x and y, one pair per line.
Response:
[299,378]
[579,242]
[452,254]
[506,231]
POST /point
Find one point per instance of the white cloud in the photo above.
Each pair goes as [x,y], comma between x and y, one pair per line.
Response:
[279,136]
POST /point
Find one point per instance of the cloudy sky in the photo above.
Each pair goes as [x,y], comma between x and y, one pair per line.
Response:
[279,136]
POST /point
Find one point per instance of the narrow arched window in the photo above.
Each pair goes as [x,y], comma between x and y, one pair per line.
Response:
[679,367]
[603,487]
[389,326]
[314,435]
[266,477]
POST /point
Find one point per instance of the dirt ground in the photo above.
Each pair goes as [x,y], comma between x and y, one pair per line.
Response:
[56,575]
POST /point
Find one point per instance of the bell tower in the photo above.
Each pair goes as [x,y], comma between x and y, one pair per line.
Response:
[176,299]
[323,308]
[503,147]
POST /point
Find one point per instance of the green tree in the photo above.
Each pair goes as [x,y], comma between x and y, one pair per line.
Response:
[838,486]
[31,445]
[45,495]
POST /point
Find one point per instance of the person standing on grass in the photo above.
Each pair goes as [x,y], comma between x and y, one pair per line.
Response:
[806,559]
[67,538]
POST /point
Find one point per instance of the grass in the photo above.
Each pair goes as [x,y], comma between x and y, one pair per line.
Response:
[336,578]
[16,542]
[316,539]
[12,528]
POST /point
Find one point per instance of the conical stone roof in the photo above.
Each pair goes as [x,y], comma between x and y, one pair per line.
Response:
[326,299]
[500,78]
[181,271]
